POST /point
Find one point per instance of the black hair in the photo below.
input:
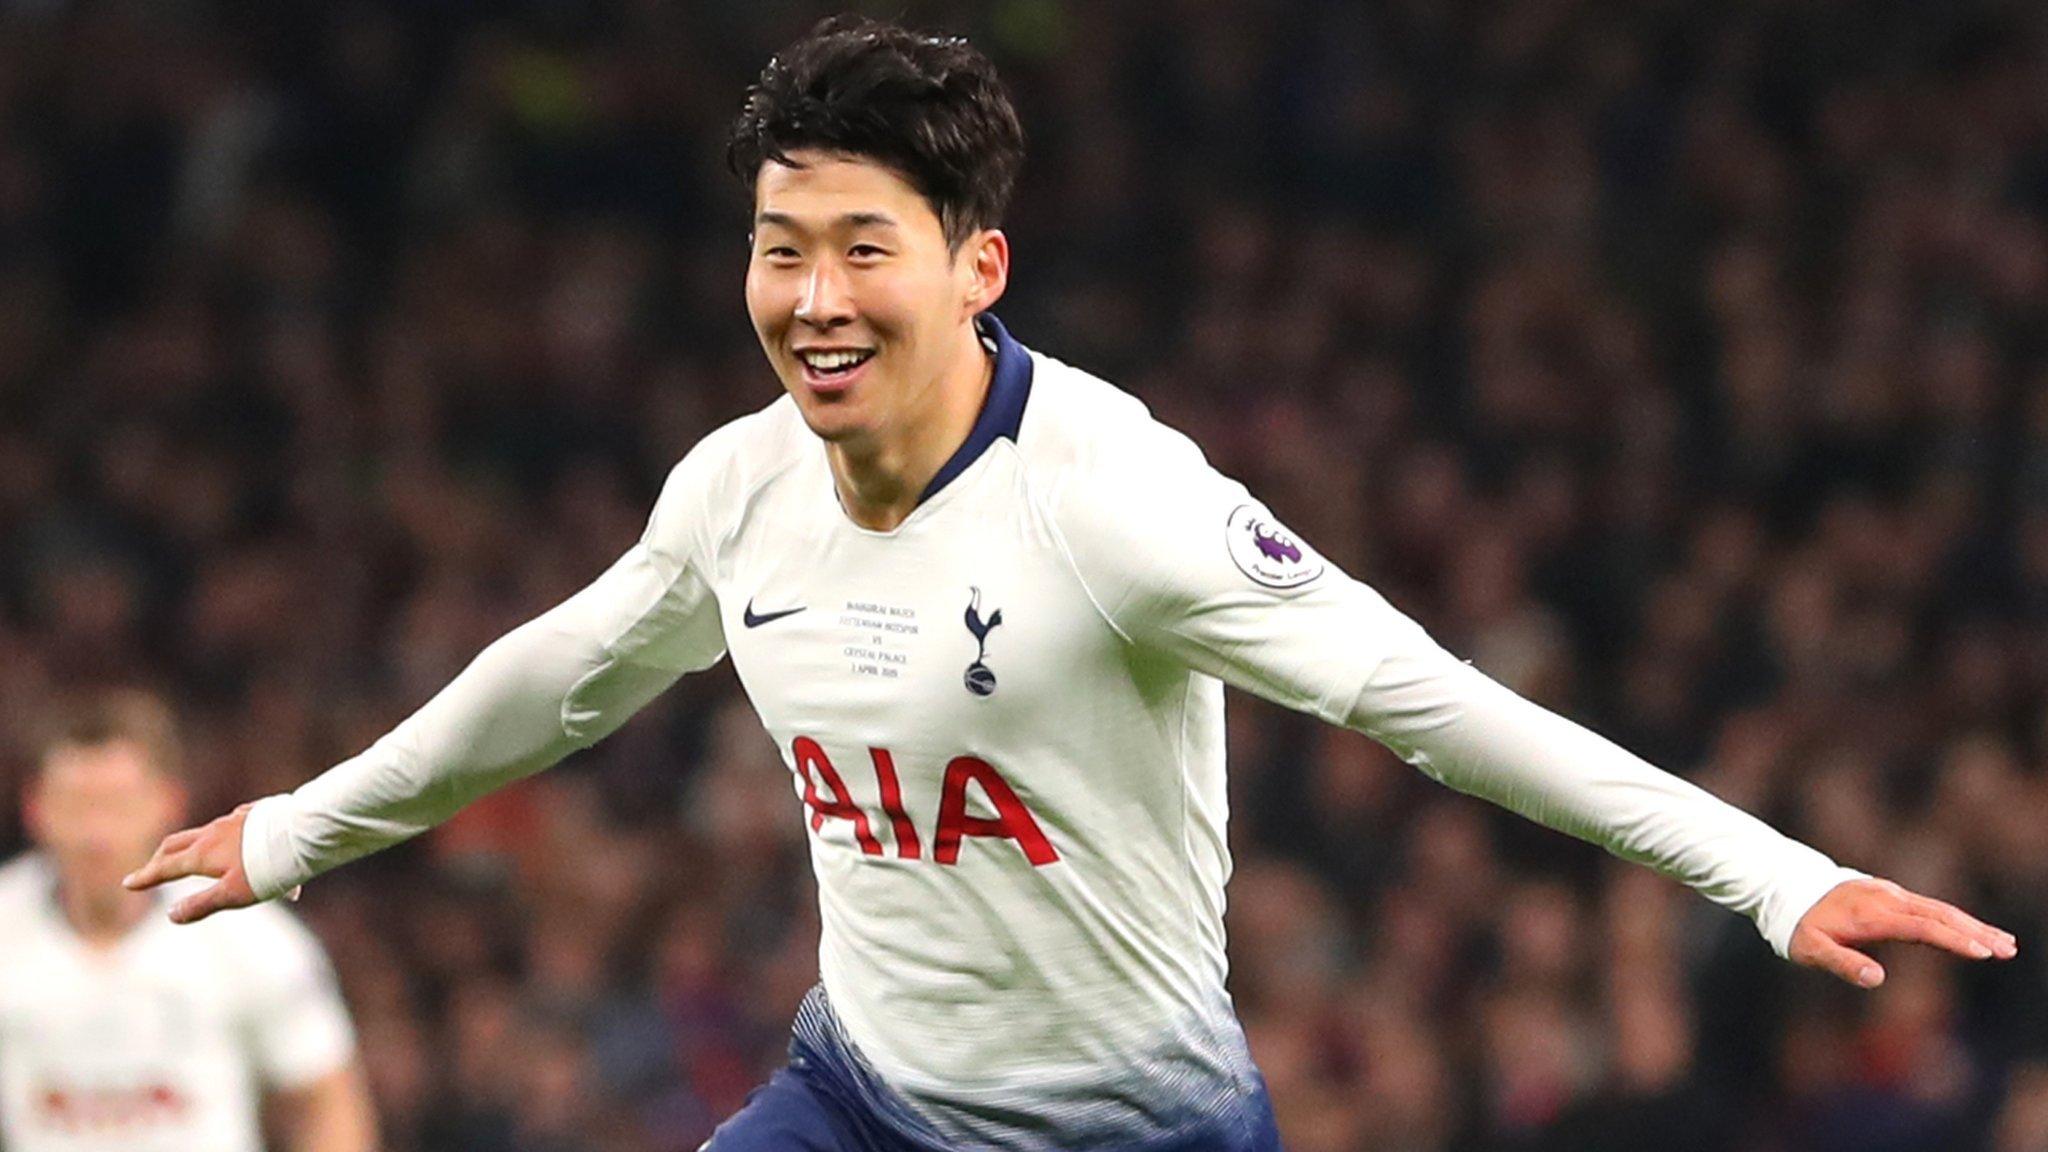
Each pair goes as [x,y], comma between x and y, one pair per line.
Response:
[930,108]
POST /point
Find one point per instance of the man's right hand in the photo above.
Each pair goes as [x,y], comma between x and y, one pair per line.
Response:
[213,851]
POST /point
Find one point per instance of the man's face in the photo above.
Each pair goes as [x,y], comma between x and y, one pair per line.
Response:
[100,809]
[854,294]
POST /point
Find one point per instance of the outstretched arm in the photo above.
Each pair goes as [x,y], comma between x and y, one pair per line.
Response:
[1181,559]
[555,684]
[1475,735]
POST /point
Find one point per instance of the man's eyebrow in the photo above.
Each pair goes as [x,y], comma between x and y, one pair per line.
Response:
[851,219]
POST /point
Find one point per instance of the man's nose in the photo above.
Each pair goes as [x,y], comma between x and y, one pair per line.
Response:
[826,301]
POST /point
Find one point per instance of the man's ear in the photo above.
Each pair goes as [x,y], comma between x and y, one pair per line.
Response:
[987,254]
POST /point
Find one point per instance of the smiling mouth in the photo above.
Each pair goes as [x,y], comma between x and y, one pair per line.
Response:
[834,364]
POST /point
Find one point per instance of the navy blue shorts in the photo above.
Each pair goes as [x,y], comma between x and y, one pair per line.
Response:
[810,1106]
[793,1112]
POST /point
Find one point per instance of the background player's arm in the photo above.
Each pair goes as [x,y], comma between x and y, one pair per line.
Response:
[549,687]
[300,1041]
[331,1114]
[1152,543]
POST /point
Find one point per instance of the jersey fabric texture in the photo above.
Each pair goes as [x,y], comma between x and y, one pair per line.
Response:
[163,1042]
[1004,719]
[827,1100]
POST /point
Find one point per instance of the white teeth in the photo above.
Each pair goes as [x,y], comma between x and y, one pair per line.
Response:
[834,361]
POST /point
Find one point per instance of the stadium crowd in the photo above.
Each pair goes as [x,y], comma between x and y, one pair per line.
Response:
[1679,364]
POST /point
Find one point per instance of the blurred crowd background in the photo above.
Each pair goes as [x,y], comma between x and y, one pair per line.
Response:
[1681,364]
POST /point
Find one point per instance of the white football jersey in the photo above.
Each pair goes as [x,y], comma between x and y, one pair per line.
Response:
[1004,722]
[163,1042]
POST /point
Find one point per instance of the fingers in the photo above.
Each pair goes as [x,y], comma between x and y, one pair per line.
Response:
[1878,912]
[179,841]
[1898,914]
[1932,932]
[214,850]
[174,859]
[232,891]
[2003,944]
[200,905]
[1845,963]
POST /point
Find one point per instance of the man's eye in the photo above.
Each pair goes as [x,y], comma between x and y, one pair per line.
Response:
[779,252]
[865,252]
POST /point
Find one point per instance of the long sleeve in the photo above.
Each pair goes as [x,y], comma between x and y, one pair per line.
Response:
[1183,560]
[1470,732]
[558,683]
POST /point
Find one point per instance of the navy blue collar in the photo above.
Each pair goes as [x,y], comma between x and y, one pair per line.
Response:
[1002,411]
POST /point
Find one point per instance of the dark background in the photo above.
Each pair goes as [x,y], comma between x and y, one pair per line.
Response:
[1679,363]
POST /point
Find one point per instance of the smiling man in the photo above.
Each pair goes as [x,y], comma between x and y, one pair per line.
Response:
[986,606]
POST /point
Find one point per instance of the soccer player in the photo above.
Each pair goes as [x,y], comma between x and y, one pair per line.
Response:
[120,1033]
[987,606]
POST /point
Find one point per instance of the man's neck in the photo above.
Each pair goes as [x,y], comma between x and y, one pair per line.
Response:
[102,920]
[880,482]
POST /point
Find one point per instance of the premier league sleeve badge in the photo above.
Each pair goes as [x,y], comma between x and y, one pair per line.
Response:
[1263,549]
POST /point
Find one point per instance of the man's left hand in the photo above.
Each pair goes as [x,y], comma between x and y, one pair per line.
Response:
[1860,912]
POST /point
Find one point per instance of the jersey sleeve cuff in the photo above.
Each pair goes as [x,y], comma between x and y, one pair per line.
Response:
[1796,895]
[267,857]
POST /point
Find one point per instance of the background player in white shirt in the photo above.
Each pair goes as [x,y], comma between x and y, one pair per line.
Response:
[986,607]
[122,1033]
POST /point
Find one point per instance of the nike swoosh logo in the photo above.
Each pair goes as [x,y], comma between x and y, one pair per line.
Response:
[753,619]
